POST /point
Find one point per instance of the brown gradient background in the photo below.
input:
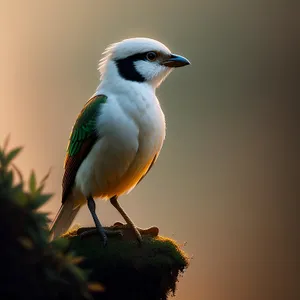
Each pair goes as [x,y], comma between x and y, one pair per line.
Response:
[226,179]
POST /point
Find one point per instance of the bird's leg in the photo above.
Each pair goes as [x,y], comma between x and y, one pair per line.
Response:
[99,228]
[115,203]
[92,207]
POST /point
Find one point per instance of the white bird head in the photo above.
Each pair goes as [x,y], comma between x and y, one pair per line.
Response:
[141,60]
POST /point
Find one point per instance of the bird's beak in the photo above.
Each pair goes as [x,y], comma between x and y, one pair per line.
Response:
[175,61]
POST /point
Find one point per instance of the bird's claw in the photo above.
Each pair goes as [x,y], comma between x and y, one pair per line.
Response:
[138,232]
[85,232]
[119,229]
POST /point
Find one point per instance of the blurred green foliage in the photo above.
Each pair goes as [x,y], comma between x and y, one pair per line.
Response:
[32,266]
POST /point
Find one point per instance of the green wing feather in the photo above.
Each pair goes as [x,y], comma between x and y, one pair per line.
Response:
[85,124]
[82,139]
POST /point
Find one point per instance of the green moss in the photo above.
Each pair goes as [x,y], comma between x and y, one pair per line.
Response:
[128,270]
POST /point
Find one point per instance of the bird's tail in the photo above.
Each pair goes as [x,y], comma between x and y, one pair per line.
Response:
[63,219]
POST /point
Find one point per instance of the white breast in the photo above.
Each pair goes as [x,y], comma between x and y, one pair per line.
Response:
[131,132]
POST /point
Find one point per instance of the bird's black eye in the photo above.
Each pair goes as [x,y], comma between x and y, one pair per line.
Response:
[151,56]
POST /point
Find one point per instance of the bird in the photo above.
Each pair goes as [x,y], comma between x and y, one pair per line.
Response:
[118,135]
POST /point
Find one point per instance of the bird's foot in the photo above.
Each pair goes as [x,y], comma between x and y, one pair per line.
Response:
[127,231]
[104,233]
[138,232]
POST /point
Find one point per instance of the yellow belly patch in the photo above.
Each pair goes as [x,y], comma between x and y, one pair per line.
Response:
[124,184]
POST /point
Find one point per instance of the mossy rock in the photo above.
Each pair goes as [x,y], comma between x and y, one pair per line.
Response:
[128,270]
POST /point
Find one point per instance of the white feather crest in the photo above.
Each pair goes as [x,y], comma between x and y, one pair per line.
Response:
[106,55]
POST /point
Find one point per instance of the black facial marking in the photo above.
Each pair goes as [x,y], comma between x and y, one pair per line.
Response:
[127,69]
